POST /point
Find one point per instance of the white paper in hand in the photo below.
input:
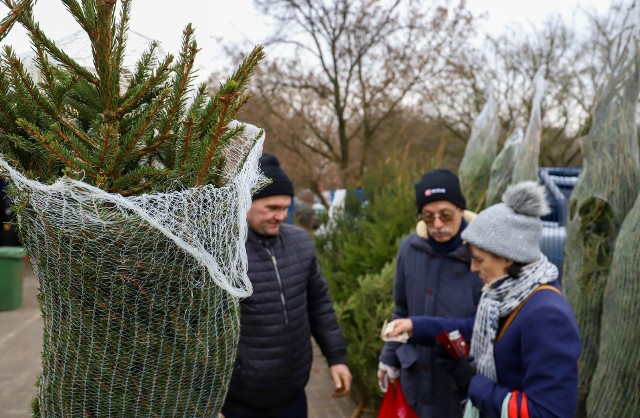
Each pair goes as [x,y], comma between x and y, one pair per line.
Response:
[387,328]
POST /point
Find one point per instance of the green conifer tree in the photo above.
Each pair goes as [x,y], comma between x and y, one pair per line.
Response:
[126,334]
[127,139]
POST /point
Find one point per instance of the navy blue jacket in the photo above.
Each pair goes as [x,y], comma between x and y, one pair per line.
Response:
[437,285]
[289,304]
[537,354]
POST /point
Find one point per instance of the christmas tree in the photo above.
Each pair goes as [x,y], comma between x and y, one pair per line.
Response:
[131,189]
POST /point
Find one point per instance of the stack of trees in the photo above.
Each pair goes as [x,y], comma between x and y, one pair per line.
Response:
[606,190]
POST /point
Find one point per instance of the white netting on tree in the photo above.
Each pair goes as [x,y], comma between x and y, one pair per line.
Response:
[139,295]
[528,161]
[475,167]
[501,174]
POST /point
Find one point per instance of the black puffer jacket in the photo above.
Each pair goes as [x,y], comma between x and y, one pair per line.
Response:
[290,302]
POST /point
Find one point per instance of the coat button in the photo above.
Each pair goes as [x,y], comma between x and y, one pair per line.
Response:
[429,292]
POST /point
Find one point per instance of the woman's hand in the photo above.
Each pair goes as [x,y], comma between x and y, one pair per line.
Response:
[398,326]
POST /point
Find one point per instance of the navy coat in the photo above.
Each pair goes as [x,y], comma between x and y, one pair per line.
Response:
[537,355]
[438,285]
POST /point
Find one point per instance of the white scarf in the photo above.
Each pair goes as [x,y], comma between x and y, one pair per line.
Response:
[497,302]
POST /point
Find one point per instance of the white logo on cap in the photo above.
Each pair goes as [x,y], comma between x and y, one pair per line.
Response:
[429,192]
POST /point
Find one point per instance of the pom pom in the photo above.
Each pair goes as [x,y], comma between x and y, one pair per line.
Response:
[527,198]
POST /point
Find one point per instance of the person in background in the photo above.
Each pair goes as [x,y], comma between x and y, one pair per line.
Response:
[433,277]
[290,303]
[524,338]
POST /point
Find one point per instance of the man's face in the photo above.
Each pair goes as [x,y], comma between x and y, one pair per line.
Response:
[443,220]
[268,213]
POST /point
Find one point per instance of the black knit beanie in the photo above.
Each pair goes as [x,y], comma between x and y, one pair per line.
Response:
[280,183]
[437,185]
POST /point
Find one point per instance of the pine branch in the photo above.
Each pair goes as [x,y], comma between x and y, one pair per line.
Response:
[121,35]
[141,85]
[60,151]
[20,143]
[84,124]
[151,175]
[183,71]
[211,149]
[109,148]
[138,132]
[188,132]
[186,142]
[39,38]
[24,85]
[84,15]
[105,61]
[16,10]
[78,148]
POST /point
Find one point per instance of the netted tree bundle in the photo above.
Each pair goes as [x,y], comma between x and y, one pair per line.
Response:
[605,191]
[503,166]
[475,167]
[139,295]
[615,390]
[526,167]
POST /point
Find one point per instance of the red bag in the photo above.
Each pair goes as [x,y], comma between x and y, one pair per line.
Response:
[394,404]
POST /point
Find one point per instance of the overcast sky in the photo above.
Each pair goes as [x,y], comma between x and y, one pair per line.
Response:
[238,21]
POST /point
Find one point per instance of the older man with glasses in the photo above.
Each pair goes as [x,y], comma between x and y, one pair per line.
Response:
[433,277]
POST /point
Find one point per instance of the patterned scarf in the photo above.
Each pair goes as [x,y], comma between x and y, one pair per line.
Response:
[497,302]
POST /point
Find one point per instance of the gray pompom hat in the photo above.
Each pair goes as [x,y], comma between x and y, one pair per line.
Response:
[511,229]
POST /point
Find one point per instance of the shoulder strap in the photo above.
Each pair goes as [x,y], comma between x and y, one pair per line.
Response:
[513,314]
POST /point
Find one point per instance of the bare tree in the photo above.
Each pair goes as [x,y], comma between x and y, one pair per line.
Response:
[507,63]
[344,69]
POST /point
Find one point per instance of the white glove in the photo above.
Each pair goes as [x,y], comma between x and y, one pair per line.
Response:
[386,373]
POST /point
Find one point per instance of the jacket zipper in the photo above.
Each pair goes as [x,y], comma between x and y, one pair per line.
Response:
[282,298]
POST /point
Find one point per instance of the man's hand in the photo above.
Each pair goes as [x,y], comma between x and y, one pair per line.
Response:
[341,380]
[386,373]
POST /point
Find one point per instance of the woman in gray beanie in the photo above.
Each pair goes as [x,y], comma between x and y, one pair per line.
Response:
[524,337]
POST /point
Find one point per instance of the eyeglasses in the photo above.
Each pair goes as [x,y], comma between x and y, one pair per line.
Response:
[444,216]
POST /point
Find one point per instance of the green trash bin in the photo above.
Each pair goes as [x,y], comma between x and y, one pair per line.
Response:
[11,272]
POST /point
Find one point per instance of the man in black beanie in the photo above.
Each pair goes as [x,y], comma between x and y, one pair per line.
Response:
[289,304]
[433,277]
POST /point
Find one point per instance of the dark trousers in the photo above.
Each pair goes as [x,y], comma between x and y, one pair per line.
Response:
[298,409]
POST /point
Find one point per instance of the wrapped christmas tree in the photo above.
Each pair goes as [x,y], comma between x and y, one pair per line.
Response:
[475,167]
[501,173]
[606,190]
[615,385]
[131,191]
[527,161]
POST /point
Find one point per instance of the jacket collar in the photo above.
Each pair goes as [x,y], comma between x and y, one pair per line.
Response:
[264,240]
[422,244]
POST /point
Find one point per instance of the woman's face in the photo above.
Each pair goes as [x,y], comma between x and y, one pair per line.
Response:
[488,266]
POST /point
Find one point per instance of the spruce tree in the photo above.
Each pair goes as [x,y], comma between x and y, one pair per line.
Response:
[129,139]
[139,273]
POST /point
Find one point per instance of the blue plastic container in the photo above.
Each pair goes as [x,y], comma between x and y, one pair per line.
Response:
[559,182]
